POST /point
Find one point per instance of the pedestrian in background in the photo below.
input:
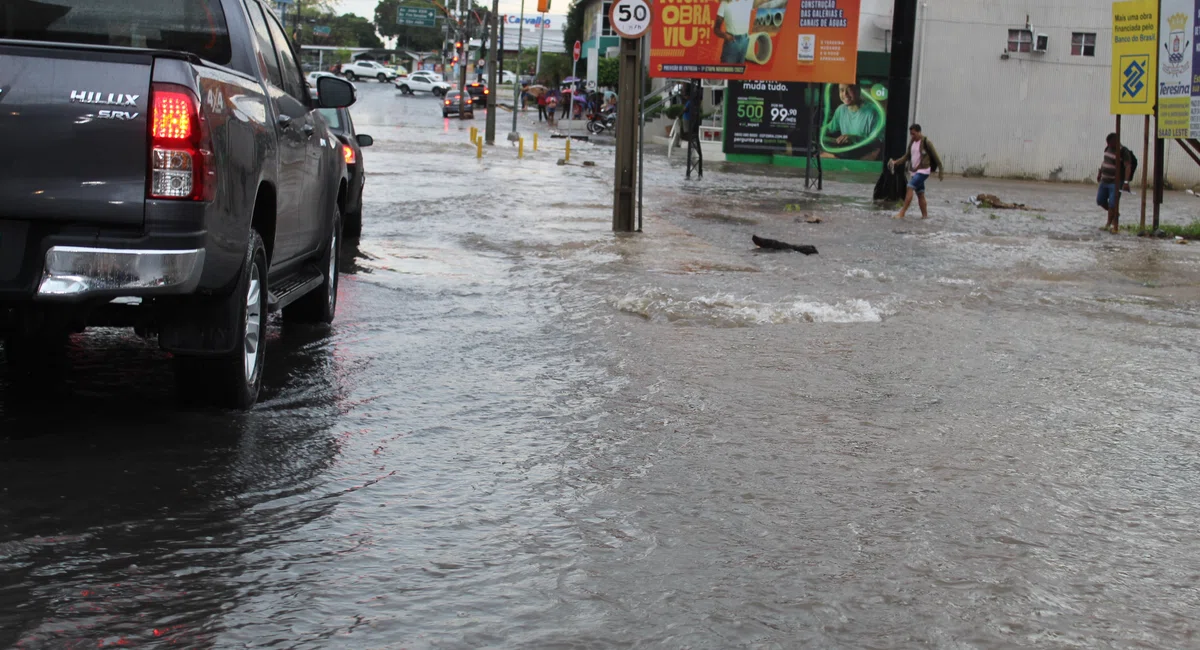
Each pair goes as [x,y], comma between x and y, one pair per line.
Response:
[551,110]
[541,102]
[1106,195]
[922,160]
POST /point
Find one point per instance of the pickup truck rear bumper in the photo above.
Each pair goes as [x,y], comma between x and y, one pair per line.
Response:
[77,272]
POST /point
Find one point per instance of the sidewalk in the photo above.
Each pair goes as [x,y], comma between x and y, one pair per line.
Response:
[527,120]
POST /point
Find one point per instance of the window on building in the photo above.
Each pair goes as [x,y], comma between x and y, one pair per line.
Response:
[1083,44]
[1020,40]
[605,27]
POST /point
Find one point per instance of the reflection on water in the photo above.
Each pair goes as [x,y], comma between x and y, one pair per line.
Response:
[524,432]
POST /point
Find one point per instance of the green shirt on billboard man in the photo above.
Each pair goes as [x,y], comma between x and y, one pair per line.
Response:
[733,26]
[853,121]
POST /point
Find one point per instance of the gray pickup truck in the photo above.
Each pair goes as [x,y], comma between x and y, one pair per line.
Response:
[164,167]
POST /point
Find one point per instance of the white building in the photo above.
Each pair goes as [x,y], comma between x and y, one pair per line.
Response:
[993,103]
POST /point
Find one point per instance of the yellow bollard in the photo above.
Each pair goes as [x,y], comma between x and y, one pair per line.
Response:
[521,147]
[568,149]
[474,134]
[478,147]
[535,142]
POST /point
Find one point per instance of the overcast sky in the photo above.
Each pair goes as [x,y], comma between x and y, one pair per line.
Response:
[366,8]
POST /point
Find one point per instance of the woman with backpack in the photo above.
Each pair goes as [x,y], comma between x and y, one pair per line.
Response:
[922,160]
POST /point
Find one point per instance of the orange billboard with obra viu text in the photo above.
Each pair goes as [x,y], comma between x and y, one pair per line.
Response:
[761,40]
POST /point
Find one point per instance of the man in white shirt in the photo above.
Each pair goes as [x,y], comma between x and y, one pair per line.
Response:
[733,27]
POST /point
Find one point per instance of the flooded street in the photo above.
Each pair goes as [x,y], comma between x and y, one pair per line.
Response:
[977,431]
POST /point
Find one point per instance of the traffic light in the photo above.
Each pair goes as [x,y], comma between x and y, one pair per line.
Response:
[458,46]
[543,6]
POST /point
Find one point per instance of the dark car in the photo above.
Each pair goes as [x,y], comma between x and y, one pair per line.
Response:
[456,102]
[479,93]
[352,145]
[183,184]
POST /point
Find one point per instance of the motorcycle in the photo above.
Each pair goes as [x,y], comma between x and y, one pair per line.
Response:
[602,122]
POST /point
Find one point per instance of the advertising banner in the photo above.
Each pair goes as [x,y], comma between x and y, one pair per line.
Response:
[766,117]
[1134,57]
[759,40]
[777,117]
[853,119]
[1176,55]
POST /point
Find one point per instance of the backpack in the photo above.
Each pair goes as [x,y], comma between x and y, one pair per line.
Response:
[1127,154]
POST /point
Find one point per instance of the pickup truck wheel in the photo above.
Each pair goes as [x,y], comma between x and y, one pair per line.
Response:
[406,90]
[438,92]
[320,305]
[381,77]
[233,380]
[351,76]
[30,353]
[352,225]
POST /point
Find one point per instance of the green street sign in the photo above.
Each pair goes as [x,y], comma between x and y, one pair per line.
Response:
[416,16]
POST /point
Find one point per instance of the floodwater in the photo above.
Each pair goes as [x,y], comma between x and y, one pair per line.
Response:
[977,431]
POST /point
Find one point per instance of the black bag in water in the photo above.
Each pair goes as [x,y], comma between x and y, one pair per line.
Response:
[891,184]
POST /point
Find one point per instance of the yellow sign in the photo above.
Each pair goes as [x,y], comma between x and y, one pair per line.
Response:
[1134,57]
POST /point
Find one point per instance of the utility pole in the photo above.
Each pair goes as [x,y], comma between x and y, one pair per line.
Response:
[462,58]
[541,37]
[299,24]
[490,130]
[629,99]
[514,136]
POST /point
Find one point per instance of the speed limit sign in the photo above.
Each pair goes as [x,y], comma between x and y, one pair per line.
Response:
[630,18]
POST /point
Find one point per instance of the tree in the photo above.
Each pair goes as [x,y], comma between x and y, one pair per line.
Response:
[408,37]
[609,73]
[427,38]
[573,30]
[555,67]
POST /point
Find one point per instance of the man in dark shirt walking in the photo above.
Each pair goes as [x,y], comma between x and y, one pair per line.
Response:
[1106,196]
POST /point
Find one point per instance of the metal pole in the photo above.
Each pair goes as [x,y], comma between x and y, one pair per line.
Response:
[571,102]
[490,129]
[1160,150]
[1145,168]
[629,93]
[1114,210]
[541,37]
[514,136]
[641,136]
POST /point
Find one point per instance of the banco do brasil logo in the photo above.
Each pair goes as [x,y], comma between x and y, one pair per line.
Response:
[1133,70]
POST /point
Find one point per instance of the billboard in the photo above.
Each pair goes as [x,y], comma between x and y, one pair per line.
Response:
[777,118]
[853,117]
[766,117]
[1176,94]
[759,40]
[1134,57]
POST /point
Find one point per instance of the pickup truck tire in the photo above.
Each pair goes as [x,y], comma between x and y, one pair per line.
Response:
[439,92]
[351,76]
[404,90]
[29,353]
[381,77]
[233,380]
[352,225]
[320,305]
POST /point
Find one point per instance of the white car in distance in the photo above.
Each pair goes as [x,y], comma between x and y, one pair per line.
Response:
[368,70]
[423,81]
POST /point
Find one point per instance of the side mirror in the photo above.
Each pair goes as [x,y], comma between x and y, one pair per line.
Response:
[364,140]
[335,93]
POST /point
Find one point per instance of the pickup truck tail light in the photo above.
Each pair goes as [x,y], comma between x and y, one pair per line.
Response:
[181,158]
[348,154]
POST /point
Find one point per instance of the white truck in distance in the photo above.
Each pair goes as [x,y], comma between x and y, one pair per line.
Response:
[368,70]
[423,81]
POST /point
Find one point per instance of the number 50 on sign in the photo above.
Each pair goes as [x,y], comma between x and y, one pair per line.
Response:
[630,18]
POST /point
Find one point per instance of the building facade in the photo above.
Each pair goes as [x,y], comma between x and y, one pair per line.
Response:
[1021,89]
